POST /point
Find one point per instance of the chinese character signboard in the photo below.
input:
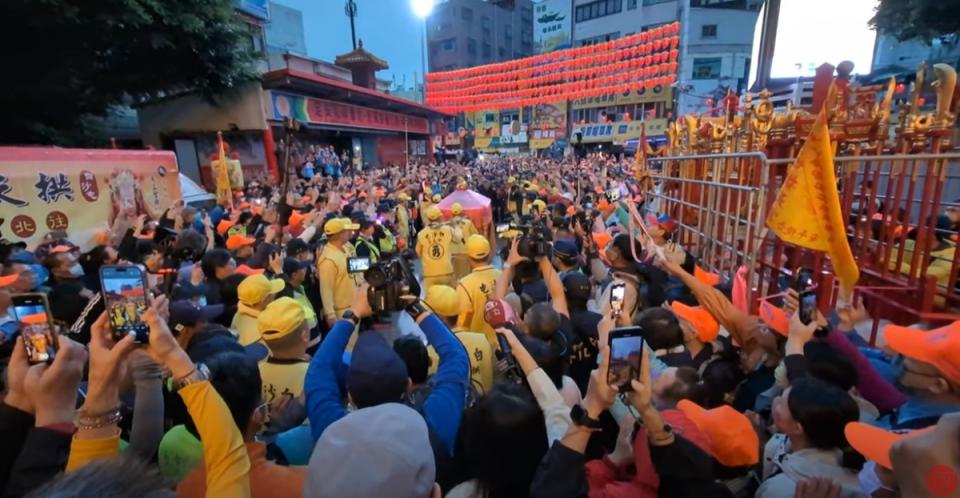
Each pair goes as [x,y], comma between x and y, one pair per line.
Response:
[551,25]
[311,110]
[81,191]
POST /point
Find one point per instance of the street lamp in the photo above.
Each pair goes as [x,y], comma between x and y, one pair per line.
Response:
[422,9]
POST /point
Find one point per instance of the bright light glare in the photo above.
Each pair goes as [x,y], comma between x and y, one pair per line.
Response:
[812,32]
[422,8]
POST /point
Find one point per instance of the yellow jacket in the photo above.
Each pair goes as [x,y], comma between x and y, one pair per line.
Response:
[337,286]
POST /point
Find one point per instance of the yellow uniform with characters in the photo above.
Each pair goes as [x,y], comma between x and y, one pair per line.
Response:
[433,248]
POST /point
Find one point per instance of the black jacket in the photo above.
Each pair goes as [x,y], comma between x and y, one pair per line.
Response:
[29,456]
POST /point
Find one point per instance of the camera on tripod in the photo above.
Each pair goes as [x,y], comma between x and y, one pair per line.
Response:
[389,281]
[534,241]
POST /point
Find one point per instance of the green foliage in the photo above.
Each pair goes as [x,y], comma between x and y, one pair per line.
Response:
[923,20]
[67,59]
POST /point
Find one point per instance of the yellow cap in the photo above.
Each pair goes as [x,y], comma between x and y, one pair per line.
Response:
[456,208]
[437,198]
[511,179]
[280,318]
[337,225]
[255,288]
[540,204]
[478,247]
[444,300]
[403,196]
[433,213]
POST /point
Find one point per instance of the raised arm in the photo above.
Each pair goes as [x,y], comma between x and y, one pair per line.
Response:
[558,297]
[443,408]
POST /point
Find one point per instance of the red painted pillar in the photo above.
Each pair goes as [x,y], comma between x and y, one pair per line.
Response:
[270,151]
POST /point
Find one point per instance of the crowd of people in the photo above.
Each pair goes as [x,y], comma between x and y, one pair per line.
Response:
[350,338]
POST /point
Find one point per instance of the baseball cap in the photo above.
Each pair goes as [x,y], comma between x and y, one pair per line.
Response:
[9,279]
[444,300]
[391,438]
[566,249]
[939,347]
[433,213]
[185,313]
[540,205]
[601,239]
[223,226]
[57,249]
[291,265]
[256,288]
[456,208]
[702,321]
[478,247]
[665,221]
[733,440]
[246,270]
[775,318]
[497,313]
[237,241]
[577,286]
[874,443]
[705,277]
[337,225]
[376,374]
[280,318]
[297,246]
[296,217]
[437,198]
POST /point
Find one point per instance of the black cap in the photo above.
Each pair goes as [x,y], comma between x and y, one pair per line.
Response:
[187,314]
[291,265]
[577,286]
[297,246]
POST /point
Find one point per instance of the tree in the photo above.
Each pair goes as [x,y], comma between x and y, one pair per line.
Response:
[66,60]
[923,20]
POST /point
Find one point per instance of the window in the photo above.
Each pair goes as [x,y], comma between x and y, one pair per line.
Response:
[486,50]
[449,44]
[708,31]
[502,53]
[598,8]
[508,32]
[471,46]
[654,2]
[631,4]
[599,39]
[466,14]
[706,68]
[485,22]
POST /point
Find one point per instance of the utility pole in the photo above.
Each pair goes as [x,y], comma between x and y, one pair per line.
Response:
[350,9]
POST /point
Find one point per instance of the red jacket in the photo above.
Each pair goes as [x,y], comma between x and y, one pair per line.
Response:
[641,479]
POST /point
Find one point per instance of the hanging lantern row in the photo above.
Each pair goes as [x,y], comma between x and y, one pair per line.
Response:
[498,83]
[570,91]
[560,87]
[655,38]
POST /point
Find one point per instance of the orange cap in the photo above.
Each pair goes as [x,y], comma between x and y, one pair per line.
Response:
[733,440]
[223,226]
[571,210]
[237,241]
[9,279]
[703,322]
[296,217]
[874,443]
[60,248]
[602,239]
[706,277]
[775,318]
[246,270]
[939,347]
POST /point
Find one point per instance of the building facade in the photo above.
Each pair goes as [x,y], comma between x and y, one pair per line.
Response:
[467,33]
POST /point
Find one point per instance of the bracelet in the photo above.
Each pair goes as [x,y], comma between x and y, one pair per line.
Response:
[88,422]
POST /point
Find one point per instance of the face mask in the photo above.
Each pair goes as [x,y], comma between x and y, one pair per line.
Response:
[869,481]
[76,271]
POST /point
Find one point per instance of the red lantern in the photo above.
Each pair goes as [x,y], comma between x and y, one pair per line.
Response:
[710,103]
[921,101]
[901,88]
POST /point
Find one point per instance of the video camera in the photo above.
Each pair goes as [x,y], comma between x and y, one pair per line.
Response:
[390,280]
[534,241]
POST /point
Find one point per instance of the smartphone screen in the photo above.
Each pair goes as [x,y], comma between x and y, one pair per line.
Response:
[626,352]
[358,265]
[808,306]
[36,327]
[617,293]
[125,298]
[613,195]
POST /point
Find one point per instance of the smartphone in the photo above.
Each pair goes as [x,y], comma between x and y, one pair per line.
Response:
[358,265]
[617,292]
[626,353]
[32,311]
[125,299]
[503,228]
[613,195]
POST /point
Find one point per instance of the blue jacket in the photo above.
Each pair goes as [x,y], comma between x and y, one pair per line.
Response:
[443,408]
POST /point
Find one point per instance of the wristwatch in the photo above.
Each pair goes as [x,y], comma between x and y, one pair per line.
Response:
[199,374]
[580,417]
[351,317]
[416,309]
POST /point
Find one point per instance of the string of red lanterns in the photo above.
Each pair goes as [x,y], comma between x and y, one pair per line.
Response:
[644,60]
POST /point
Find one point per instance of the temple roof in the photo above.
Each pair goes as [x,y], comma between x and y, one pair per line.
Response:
[360,56]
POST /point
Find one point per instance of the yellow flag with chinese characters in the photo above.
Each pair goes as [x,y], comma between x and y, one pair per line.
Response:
[807,209]
[224,194]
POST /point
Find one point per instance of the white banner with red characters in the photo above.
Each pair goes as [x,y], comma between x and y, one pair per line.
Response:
[81,191]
